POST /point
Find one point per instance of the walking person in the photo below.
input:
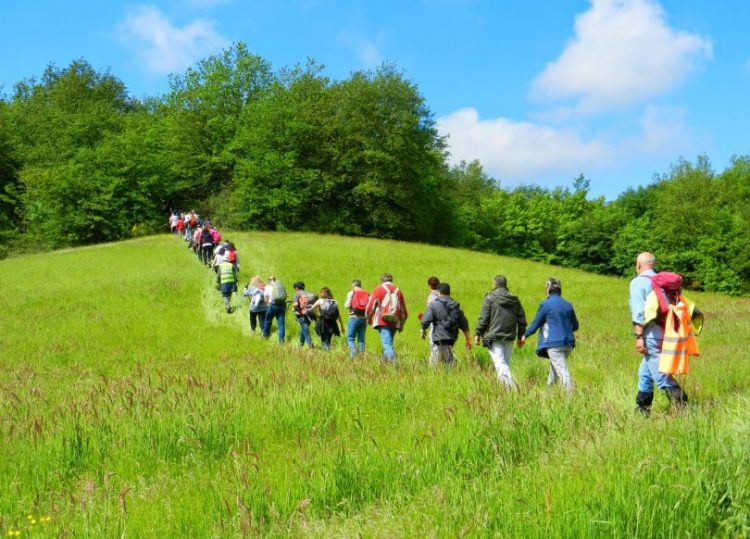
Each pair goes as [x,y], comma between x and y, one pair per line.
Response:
[207,246]
[501,320]
[302,303]
[329,323]
[445,318]
[255,290]
[226,282]
[387,313]
[556,319]
[274,296]
[356,302]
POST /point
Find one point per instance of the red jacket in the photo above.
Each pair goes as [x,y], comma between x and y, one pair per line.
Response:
[372,313]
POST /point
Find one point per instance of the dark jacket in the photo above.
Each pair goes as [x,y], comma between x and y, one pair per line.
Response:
[557,320]
[501,318]
[437,311]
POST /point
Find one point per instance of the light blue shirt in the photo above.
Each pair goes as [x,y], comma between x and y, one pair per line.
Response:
[640,288]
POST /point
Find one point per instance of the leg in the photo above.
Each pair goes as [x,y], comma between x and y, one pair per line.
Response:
[386,339]
[351,333]
[281,321]
[665,382]
[558,361]
[361,333]
[227,302]
[267,320]
[500,353]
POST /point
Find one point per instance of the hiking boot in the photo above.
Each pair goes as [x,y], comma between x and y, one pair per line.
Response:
[644,400]
[677,396]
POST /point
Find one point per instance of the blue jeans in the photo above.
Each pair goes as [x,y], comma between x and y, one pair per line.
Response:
[386,339]
[304,332]
[356,328]
[649,370]
[279,313]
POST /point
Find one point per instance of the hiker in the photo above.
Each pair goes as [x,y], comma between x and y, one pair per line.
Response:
[501,320]
[649,321]
[274,296]
[557,321]
[232,256]
[356,303]
[173,222]
[328,323]
[215,235]
[445,318]
[433,283]
[258,307]
[207,246]
[219,258]
[180,225]
[196,242]
[386,312]
[302,303]
[226,282]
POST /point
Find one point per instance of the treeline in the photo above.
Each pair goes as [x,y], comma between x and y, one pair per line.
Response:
[82,161]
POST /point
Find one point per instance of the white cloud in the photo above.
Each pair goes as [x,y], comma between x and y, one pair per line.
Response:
[165,48]
[521,151]
[623,52]
[369,53]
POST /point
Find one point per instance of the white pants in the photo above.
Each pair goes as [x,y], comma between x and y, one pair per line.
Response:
[500,352]
[558,367]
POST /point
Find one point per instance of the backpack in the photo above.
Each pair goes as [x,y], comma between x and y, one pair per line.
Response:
[329,310]
[667,286]
[360,299]
[256,301]
[278,293]
[451,319]
[305,301]
[232,256]
[390,306]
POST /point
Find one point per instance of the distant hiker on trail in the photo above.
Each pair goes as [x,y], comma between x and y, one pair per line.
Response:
[275,297]
[387,313]
[557,321]
[215,235]
[232,256]
[655,300]
[255,291]
[207,246]
[501,319]
[329,322]
[173,222]
[302,303]
[356,301]
[195,244]
[433,283]
[226,282]
[180,225]
[445,317]
[219,258]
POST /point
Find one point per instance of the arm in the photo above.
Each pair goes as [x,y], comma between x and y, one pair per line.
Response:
[575,320]
[348,302]
[484,320]
[404,312]
[541,315]
[373,303]
[427,319]
[463,324]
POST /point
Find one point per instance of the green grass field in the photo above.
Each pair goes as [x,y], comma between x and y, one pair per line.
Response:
[131,405]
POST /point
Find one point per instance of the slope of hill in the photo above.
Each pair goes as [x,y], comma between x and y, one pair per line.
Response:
[131,404]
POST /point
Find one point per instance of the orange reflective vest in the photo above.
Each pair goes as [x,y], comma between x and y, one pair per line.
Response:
[679,340]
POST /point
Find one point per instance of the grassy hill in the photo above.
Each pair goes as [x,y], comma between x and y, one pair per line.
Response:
[132,405]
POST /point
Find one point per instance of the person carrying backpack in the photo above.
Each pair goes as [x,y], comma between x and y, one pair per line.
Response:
[274,296]
[501,319]
[207,246]
[445,317]
[255,291]
[226,281]
[328,323]
[386,312]
[232,256]
[302,306]
[557,320]
[356,302]
[652,297]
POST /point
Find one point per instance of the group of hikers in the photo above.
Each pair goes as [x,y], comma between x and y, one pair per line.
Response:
[665,323]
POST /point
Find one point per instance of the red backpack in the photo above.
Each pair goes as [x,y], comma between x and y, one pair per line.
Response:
[232,257]
[360,299]
[667,286]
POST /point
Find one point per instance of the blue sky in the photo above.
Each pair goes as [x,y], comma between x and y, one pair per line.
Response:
[538,91]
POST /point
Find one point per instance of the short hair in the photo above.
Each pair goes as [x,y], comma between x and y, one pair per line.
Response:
[299,285]
[501,281]
[356,282]
[433,282]
[386,277]
[554,286]
[444,289]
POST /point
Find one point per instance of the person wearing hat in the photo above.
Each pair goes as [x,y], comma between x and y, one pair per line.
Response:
[501,320]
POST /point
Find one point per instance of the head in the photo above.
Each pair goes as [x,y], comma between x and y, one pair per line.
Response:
[553,286]
[356,283]
[299,285]
[221,251]
[230,246]
[271,279]
[501,281]
[386,278]
[444,289]
[644,261]
[325,293]
[433,283]
[257,281]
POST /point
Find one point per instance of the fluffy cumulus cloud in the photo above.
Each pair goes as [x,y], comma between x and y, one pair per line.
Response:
[623,52]
[166,48]
[520,151]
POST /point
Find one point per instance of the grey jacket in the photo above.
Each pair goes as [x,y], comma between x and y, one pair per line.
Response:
[437,311]
[502,317]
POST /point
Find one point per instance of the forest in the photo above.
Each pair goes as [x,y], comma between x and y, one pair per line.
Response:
[259,148]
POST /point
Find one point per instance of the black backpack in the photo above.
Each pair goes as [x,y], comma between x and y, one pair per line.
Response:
[329,310]
[451,318]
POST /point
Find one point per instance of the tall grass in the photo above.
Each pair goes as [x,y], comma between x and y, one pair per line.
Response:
[132,405]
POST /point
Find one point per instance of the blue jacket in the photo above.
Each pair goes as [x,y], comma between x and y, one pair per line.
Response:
[557,320]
